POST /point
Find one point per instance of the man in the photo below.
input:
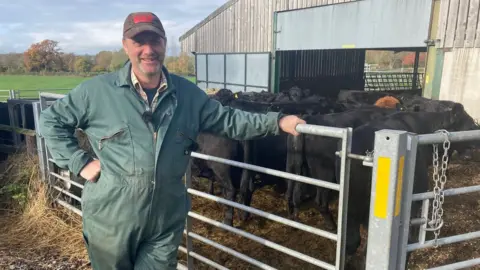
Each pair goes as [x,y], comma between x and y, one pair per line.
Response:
[142,122]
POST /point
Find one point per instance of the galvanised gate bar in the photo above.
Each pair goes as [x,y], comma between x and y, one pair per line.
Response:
[393,168]
[392,197]
[342,187]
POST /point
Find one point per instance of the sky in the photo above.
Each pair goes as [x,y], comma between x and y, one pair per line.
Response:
[89,26]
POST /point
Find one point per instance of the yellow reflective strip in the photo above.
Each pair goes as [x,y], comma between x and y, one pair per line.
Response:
[398,197]
[381,189]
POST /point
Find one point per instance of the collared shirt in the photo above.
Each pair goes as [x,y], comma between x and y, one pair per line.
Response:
[141,92]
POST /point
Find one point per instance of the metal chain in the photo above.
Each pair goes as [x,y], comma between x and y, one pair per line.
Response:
[436,223]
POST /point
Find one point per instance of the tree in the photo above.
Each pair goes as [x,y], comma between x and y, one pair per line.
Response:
[83,64]
[118,59]
[171,62]
[68,62]
[183,61]
[11,62]
[103,60]
[43,56]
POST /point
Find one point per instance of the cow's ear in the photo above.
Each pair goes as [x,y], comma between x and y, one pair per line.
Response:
[457,108]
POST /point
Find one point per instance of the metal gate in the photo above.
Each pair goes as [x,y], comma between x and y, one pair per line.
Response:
[239,72]
[53,176]
[393,169]
[392,198]
[49,171]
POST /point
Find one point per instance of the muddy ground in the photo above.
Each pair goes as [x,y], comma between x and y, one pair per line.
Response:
[461,215]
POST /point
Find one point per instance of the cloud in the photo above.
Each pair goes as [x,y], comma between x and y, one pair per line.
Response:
[83,37]
[81,26]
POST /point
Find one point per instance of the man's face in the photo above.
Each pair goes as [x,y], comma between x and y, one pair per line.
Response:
[146,51]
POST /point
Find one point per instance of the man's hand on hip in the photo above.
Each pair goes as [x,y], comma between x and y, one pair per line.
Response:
[91,171]
[289,123]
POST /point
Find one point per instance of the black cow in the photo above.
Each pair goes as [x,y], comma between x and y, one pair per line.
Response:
[360,176]
[465,121]
[230,177]
[269,152]
[314,156]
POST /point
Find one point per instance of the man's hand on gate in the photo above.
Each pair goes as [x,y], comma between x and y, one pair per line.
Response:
[289,123]
[91,171]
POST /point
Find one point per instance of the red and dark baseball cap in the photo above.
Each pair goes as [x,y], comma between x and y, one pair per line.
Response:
[138,22]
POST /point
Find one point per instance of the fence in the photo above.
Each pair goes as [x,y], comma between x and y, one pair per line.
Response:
[392,196]
[51,174]
[390,81]
[6,94]
[27,93]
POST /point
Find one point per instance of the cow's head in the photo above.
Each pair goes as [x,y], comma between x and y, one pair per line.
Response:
[460,120]
[295,93]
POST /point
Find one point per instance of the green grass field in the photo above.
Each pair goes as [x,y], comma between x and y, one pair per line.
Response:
[29,85]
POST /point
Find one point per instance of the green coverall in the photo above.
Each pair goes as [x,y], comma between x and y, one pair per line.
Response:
[134,215]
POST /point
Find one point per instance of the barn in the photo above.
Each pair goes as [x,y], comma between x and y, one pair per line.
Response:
[249,45]
[272,45]
[453,69]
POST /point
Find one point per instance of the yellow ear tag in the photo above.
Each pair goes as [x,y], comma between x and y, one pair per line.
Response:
[236,95]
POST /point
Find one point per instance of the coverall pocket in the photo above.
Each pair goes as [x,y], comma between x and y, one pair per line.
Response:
[186,138]
[185,144]
[116,150]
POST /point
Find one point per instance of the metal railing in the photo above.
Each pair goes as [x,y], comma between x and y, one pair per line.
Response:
[6,94]
[390,210]
[49,174]
[395,190]
[391,81]
[27,93]
[345,135]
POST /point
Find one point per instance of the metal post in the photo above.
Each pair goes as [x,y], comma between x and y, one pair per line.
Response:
[188,225]
[387,178]
[196,68]
[273,62]
[49,166]
[422,233]
[411,159]
[343,198]
[415,70]
[23,115]
[225,71]
[245,73]
[206,72]
[42,157]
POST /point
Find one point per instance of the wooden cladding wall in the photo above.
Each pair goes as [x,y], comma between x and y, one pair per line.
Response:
[242,26]
[459,24]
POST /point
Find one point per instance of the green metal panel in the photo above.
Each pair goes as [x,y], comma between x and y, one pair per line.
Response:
[437,77]
[431,52]
[429,72]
